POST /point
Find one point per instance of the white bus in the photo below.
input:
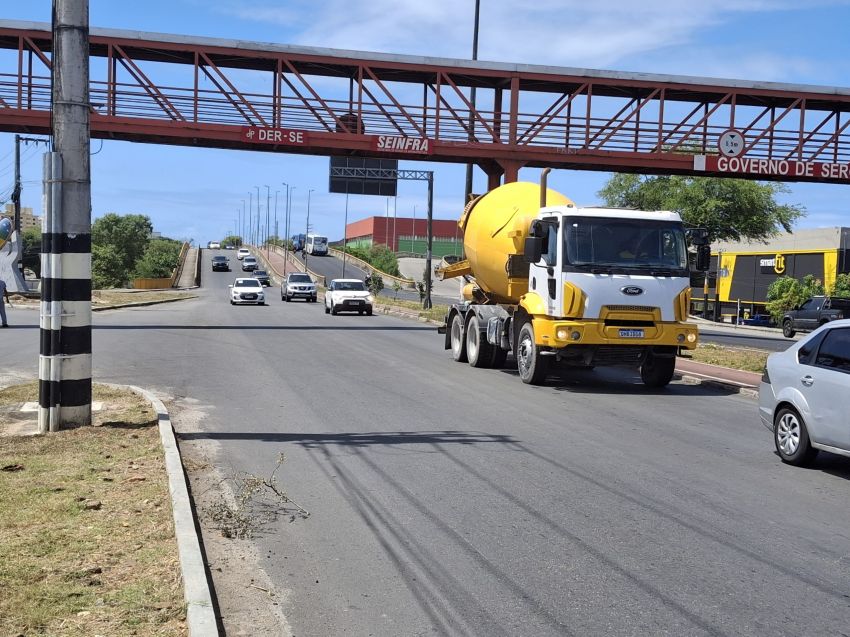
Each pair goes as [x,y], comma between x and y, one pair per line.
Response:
[316,244]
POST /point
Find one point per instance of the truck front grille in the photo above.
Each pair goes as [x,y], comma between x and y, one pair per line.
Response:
[630,308]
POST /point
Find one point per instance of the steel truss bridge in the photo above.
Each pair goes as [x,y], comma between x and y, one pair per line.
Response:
[170,89]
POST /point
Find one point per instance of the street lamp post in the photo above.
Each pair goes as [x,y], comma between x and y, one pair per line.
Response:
[276,233]
[307,229]
[268,208]
[250,228]
[257,234]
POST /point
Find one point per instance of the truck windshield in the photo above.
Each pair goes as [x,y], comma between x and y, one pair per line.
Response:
[624,244]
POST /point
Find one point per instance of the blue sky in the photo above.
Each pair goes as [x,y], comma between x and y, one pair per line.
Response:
[196,193]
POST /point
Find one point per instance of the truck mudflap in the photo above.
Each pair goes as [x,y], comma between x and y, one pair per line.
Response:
[560,334]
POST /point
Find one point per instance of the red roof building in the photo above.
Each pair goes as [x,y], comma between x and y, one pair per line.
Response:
[405,234]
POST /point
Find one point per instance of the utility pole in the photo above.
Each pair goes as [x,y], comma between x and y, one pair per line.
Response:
[257,231]
[250,229]
[65,362]
[307,229]
[345,234]
[427,304]
[469,166]
[268,208]
[276,232]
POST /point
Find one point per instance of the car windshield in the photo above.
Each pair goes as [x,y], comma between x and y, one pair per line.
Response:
[260,273]
[247,283]
[300,278]
[250,259]
[631,244]
[350,285]
[219,258]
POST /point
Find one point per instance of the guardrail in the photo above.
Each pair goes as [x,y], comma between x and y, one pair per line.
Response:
[181,260]
[153,284]
[319,278]
[368,267]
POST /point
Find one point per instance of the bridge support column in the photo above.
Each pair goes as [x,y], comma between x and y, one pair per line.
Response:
[511,169]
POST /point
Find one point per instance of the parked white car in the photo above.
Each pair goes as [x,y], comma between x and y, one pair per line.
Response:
[242,253]
[247,291]
[803,397]
[348,295]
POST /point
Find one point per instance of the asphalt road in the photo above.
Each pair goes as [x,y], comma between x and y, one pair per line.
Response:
[447,500]
[744,338]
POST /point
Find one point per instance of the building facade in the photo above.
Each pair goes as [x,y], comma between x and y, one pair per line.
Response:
[407,235]
[28,219]
[741,272]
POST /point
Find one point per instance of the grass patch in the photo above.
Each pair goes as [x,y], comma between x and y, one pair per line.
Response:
[436,313]
[86,532]
[751,360]
[120,297]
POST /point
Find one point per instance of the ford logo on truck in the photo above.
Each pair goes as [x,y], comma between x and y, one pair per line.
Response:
[631,290]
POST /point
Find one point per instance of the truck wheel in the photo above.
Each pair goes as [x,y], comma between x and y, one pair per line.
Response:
[656,371]
[531,365]
[788,329]
[458,341]
[478,351]
[499,357]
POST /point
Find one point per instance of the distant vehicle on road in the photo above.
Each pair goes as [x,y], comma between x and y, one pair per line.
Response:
[220,263]
[242,253]
[813,313]
[249,264]
[803,396]
[262,276]
[214,245]
[298,241]
[247,291]
[316,244]
[348,295]
[761,320]
[298,285]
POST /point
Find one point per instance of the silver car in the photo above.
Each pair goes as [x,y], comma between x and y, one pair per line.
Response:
[298,285]
[804,398]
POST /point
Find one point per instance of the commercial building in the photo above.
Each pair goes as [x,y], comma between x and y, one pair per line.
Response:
[407,235]
[741,272]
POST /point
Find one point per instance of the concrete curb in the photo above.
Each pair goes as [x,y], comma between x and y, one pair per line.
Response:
[200,613]
[708,381]
[141,303]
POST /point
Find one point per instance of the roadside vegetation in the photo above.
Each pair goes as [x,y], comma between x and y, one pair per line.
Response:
[750,360]
[786,293]
[378,256]
[87,542]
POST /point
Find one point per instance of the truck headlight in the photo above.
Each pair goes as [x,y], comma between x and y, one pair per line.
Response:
[562,334]
[692,337]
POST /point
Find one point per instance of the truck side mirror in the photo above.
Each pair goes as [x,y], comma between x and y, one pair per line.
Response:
[703,260]
[533,249]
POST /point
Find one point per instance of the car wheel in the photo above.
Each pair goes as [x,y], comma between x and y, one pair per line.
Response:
[231,302]
[288,298]
[792,438]
[334,311]
[327,309]
[788,329]
[531,365]
[458,342]
[281,296]
[369,312]
[657,371]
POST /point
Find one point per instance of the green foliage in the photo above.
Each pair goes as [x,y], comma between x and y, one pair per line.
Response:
[159,259]
[128,235]
[107,269]
[32,250]
[730,209]
[842,286]
[396,289]
[378,256]
[375,283]
[231,240]
[786,294]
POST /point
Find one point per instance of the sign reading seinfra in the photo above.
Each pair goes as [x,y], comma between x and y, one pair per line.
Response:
[392,143]
[264,135]
[772,167]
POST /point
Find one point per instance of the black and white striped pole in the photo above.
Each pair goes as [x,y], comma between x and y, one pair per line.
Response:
[65,360]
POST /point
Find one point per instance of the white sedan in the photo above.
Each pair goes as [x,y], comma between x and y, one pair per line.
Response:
[348,295]
[247,291]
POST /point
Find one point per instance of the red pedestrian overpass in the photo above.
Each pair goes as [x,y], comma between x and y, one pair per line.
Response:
[171,89]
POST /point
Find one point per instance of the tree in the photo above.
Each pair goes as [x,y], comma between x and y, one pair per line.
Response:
[32,250]
[107,269]
[375,283]
[841,286]
[786,293]
[128,235]
[232,240]
[159,259]
[730,209]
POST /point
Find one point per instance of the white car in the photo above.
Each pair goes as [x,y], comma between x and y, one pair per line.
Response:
[247,291]
[242,253]
[348,295]
[803,397]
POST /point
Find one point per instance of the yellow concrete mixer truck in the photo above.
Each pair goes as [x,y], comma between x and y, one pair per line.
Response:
[554,283]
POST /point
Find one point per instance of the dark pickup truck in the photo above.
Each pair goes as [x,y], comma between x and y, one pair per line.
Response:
[813,313]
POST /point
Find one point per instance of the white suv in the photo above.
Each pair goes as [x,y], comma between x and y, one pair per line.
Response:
[298,285]
[348,295]
[243,252]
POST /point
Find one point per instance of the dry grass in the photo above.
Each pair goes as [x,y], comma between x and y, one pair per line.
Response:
[86,537]
[120,297]
[436,313]
[751,360]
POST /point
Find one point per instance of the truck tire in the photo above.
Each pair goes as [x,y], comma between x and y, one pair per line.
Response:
[458,340]
[656,371]
[478,351]
[499,357]
[531,365]
[788,329]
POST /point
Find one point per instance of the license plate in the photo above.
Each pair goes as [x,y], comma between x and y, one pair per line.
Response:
[249,297]
[356,302]
[631,333]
